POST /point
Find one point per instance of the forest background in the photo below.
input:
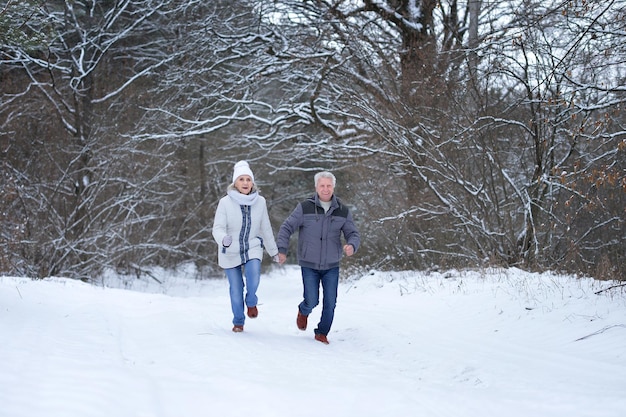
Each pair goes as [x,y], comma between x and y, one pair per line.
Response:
[462,133]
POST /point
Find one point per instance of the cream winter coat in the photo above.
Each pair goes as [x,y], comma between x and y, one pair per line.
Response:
[249,226]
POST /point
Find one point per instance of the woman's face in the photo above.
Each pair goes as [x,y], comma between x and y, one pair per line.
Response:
[243,184]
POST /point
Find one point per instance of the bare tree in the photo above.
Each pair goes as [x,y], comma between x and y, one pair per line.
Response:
[464,132]
[71,197]
[477,125]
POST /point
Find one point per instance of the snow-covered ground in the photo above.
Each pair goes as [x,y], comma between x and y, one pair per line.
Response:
[498,343]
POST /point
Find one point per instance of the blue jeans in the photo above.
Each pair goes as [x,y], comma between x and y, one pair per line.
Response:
[311,280]
[252,271]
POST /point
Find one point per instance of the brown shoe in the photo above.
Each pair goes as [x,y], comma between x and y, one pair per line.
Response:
[238,329]
[253,312]
[321,338]
[301,321]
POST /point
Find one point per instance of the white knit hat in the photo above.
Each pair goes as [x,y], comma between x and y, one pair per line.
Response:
[242,168]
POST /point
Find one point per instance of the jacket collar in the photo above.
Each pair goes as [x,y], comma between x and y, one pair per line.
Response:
[334,201]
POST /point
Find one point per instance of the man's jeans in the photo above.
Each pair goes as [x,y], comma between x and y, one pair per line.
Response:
[252,270]
[311,279]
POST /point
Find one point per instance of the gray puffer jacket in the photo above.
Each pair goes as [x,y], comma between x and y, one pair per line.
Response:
[319,233]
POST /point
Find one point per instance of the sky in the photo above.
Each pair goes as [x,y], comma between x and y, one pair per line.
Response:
[498,342]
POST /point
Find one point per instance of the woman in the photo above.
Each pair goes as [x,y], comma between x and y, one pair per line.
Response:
[242,230]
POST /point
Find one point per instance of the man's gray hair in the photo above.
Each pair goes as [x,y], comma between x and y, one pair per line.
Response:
[325,174]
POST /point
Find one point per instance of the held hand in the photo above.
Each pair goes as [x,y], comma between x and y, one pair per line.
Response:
[282,258]
[227,241]
[348,250]
[276,258]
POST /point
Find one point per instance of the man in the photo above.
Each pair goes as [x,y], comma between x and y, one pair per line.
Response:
[320,221]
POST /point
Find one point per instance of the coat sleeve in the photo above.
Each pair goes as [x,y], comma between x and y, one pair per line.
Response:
[289,227]
[267,233]
[351,233]
[220,223]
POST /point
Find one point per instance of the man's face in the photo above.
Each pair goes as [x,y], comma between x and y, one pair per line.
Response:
[325,189]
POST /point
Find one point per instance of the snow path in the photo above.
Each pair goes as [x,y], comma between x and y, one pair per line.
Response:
[457,344]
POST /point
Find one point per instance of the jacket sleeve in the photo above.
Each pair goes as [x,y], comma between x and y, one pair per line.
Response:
[267,233]
[288,228]
[351,233]
[219,223]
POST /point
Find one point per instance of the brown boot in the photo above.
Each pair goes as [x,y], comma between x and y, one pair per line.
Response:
[238,329]
[321,338]
[301,321]
[253,312]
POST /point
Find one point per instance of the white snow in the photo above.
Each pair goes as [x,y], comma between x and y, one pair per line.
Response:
[497,343]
